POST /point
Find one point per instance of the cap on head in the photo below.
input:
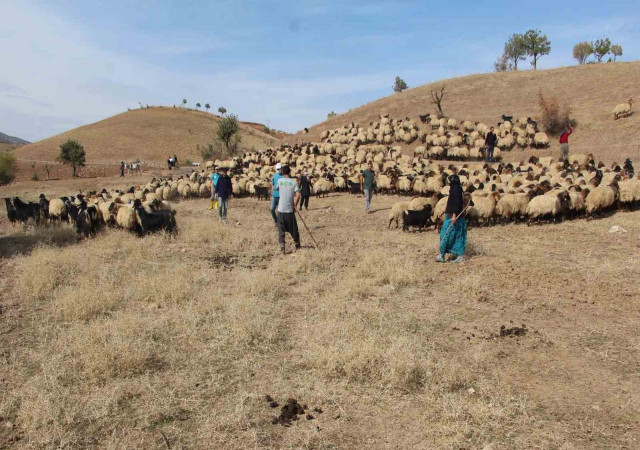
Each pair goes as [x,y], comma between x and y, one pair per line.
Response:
[278,166]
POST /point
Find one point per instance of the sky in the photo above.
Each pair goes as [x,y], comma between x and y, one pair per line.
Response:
[286,64]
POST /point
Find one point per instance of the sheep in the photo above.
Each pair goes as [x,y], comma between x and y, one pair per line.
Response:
[58,210]
[601,198]
[548,206]
[419,218]
[581,159]
[512,206]
[629,192]
[126,217]
[419,203]
[541,140]
[397,210]
[623,109]
[483,209]
[107,212]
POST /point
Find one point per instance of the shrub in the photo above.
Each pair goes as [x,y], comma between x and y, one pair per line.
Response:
[554,117]
[502,64]
[399,85]
[72,154]
[616,50]
[332,114]
[581,51]
[229,132]
[188,162]
[7,168]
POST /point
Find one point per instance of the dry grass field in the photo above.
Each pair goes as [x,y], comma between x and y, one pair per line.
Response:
[151,135]
[592,91]
[157,342]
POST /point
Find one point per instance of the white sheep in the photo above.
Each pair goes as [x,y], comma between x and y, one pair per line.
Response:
[541,140]
[601,198]
[547,206]
[126,217]
[397,210]
[57,210]
[512,206]
[623,109]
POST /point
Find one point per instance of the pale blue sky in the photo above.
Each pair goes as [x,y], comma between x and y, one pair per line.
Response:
[282,63]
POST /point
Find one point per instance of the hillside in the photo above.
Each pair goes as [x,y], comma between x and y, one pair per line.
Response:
[592,91]
[12,140]
[151,135]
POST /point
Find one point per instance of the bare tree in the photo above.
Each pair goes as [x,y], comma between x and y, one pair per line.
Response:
[47,167]
[436,100]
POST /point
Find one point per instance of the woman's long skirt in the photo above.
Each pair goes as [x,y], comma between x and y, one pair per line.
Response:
[453,238]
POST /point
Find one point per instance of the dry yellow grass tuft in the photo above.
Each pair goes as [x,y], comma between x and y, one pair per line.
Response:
[118,341]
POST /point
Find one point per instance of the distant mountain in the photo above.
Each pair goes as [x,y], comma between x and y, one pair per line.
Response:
[6,139]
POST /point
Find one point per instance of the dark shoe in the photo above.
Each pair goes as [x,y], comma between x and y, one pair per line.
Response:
[283,250]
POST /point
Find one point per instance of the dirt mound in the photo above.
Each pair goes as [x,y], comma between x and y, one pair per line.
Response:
[591,91]
[150,135]
[290,411]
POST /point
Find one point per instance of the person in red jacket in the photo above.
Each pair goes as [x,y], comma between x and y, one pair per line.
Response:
[564,143]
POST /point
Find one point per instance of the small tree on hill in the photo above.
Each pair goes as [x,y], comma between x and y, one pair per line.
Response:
[332,114]
[184,102]
[229,132]
[515,50]
[537,45]
[601,47]
[581,51]
[197,105]
[222,110]
[502,64]
[616,50]
[400,85]
[207,106]
[72,154]
[436,100]
[7,168]
[206,152]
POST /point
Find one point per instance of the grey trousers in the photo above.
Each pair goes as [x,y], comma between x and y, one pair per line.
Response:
[564,152]
[223,203]
[367,199]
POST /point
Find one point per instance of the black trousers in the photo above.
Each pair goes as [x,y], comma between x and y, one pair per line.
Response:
[304,201]
[287,224]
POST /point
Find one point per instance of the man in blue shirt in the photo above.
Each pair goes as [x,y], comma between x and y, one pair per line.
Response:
[275,194]
[214,182]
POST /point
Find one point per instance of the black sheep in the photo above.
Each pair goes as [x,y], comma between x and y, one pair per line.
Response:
[507,118]
[154,221]
[44,207]
[419,219]
[354,188]
[25,211]
[12,215]
[262,192]
[87,220]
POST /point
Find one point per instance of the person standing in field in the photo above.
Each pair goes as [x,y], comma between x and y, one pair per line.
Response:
[305,191]
[564,143]
[224,189]
[215,176]
[289,197]
[453,236]
[275,195]
[490,143]
[367,184]
[122,168]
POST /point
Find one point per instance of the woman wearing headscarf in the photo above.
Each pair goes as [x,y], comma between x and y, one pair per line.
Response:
[453,235]
[305,191]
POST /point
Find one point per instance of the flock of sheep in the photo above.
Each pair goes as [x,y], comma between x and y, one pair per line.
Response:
[536,190]
[443,138]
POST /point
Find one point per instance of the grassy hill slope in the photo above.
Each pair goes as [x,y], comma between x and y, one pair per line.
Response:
[151,135]
[592,91]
